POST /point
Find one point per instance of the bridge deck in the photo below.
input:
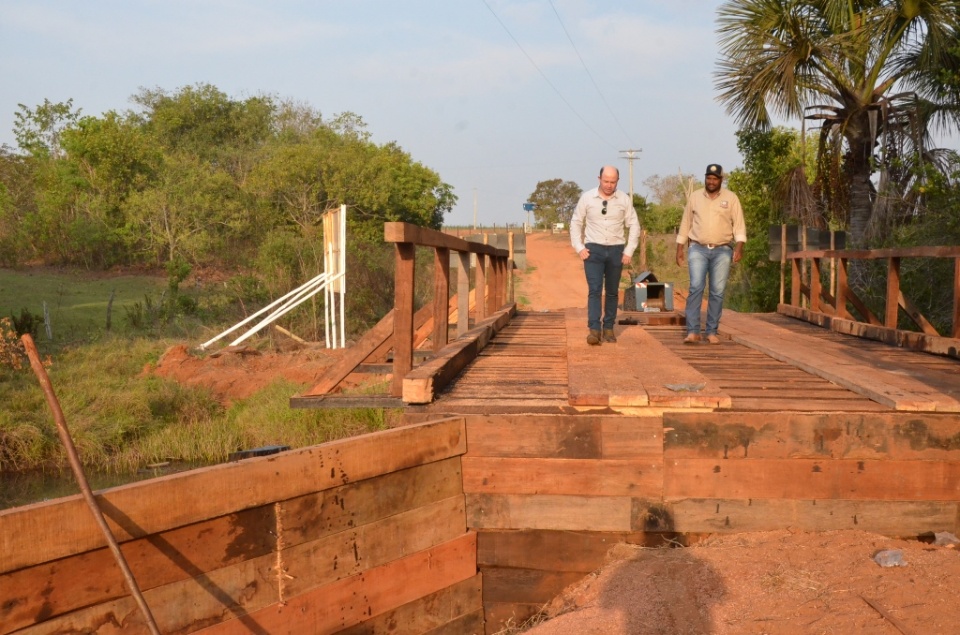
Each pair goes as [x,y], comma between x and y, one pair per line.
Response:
[541,363]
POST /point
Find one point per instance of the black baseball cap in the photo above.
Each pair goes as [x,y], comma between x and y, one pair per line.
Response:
[715,169]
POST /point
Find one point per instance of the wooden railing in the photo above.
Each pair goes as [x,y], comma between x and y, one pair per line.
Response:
[807,285]
[491,282]
[402,330]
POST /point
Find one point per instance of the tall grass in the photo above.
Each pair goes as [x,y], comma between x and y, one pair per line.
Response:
[122,418]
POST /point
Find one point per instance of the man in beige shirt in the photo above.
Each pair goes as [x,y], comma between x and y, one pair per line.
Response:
[712,220]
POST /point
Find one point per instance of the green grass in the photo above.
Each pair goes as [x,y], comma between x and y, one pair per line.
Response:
[76,303]
[122,418]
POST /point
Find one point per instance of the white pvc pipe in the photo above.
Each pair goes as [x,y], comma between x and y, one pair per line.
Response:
[264,309]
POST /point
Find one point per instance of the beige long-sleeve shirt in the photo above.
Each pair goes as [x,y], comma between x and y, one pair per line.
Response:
[717,221]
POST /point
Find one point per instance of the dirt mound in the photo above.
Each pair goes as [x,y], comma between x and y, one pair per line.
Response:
[766,582]
[239,372]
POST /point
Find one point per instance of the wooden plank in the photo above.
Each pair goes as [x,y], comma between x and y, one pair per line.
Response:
[534,436]
[347,602]
[359,549]
[575,513]
[821,435]
[527,586]
[346,401]
[314,516]
[446,608]
[647,372]
[472,624]
[421,385]
[888,518]
[353,356]
[51,589]
[921,342]
[244,589]
[830,361]
[574,477]
[45,531]
[582,551]
[812,479]
[180,607]
[404,276]
[626,437]
[397,232]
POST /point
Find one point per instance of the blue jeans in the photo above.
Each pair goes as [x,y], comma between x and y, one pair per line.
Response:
[603,268]
[702,261]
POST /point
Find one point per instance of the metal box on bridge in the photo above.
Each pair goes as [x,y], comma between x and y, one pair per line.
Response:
[648,294]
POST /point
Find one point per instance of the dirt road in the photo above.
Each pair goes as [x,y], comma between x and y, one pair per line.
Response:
[554,276]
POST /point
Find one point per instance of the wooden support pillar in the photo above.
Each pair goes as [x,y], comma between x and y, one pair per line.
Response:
[783,262]
[403,315]
[843,290]
[510,290]
[493,286]
[441,297]
[463,293]
[956,298]
[815,284]
[480,287]
[893,293]
[795,282]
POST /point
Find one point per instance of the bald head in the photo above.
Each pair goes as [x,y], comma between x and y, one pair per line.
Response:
[609,177]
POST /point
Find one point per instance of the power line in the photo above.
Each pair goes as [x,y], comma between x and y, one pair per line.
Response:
[545,78]
[590,75]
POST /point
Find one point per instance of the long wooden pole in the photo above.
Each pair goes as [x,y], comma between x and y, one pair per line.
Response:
[77,468]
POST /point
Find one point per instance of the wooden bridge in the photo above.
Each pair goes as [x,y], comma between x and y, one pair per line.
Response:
[522,457]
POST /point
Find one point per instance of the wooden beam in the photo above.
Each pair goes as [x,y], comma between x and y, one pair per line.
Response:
[407,233]
[404,281]
[422,384]
[441,297]
[354,356]
[893,292]
[463,294]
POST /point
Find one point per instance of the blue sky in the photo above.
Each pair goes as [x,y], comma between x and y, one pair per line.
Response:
[559,92]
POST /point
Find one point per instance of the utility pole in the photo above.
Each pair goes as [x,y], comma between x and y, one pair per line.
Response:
[631,155]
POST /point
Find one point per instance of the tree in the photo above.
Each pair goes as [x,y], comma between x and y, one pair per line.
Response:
[38,131]
[555,201]
[875,73]
[670,195]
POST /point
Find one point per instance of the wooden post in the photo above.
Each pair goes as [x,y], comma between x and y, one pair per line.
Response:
[403,315]
[480,287]
[795,282]
[510,290]
[783,261]
[842,290]
[803,263]
[893,293]
[956,298]
[441,297]
[77,467]
[815,284]
[463,293]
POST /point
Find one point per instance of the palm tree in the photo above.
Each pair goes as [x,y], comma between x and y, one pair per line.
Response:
[877,74]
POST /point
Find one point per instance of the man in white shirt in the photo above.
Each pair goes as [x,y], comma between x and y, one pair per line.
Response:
[597,235]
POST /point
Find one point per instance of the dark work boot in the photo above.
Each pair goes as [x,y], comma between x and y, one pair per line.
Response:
[593,339]
[609,336]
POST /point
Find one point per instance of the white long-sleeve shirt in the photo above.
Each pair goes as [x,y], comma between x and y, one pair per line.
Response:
[590,225]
